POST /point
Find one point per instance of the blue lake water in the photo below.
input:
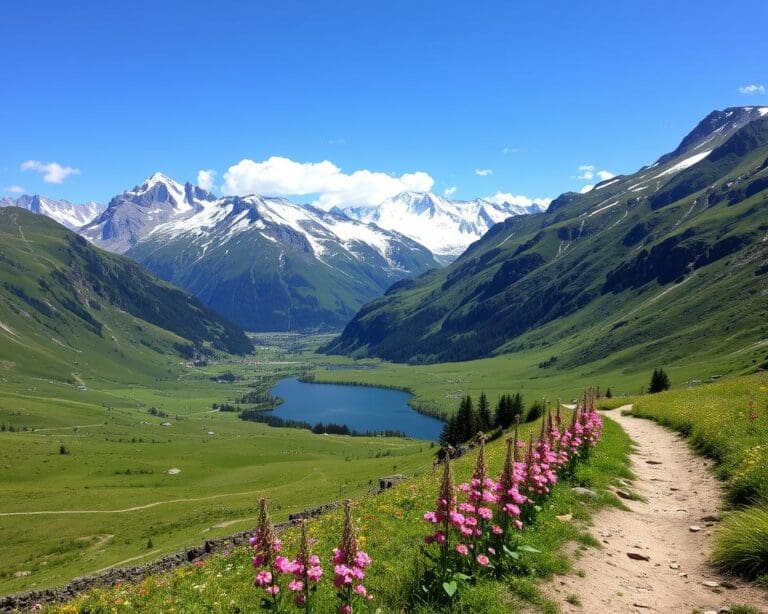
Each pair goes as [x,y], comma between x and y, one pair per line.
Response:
[361,408]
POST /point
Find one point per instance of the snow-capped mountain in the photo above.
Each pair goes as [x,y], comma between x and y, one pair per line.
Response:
[270,264]
[64,212]
[266,263]
[446,227]
[133,215]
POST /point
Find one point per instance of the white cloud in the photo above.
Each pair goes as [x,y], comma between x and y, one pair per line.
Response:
[14,189]
[605,175]
[586,188]
[509,150]
[278,176]
[206,178]
[518,199]
[52,172]
[450,191]
[587,172]
[752,88]
[483,172]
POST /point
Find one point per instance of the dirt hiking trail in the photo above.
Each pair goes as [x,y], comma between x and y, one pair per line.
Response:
[673,527]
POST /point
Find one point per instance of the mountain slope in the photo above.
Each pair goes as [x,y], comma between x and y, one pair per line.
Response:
[68,309]
[669,260]
[446,227]
[270,264]
[64,212]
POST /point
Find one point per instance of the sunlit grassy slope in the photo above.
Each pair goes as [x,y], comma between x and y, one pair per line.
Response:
[391,530]
[118,457]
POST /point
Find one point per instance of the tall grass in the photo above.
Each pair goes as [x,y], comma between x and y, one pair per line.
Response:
[742,543]
[728,422]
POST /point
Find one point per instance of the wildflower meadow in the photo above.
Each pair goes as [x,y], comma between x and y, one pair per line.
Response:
[471,534]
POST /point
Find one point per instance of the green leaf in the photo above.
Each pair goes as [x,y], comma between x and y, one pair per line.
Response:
[525,548]
[511,553]
[461,576]
[450,588]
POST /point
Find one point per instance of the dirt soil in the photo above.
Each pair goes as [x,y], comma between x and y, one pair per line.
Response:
[673,527]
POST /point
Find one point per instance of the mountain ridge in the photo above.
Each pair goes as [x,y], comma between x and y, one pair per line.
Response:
[71,215]
[530,280]
[447,227]
[64,303]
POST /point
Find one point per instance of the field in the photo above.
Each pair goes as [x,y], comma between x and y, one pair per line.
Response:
[100,460]
[439,387]
[224,583]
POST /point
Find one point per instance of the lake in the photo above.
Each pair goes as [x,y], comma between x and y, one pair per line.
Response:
[361,408]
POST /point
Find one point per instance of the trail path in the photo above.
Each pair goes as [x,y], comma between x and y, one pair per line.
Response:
[679,492]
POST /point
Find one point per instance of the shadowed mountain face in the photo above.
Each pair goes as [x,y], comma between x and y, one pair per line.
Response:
[648,261]
[65,303]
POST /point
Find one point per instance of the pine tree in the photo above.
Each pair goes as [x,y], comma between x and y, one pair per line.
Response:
[450,435]
[506,409]
[498,416]
[516,407]
[484,421]
[467,419]
[608,394]
[659,381]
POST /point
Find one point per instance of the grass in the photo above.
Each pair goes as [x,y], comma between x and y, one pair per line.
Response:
[728,421]
[742,543]
[391,530]
[573,600]
[119,457]
[438,388]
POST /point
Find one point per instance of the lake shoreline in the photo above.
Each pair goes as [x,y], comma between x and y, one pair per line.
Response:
[346,408]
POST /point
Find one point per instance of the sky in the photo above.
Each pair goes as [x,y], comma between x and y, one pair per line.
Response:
[343,103]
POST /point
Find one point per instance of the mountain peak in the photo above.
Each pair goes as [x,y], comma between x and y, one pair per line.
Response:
[714,129]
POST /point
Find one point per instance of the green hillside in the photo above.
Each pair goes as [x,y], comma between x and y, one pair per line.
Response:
[665,265]
[70,311]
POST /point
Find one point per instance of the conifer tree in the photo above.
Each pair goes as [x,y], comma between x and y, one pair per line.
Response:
[467,419]
[659,381]
[484,421]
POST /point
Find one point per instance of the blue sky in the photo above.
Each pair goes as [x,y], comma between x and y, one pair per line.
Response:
[390,94]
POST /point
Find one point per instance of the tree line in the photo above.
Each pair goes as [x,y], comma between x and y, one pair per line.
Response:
[470,419]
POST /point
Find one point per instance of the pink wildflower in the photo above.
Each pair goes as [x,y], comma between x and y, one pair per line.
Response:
[263,578]
[296,586]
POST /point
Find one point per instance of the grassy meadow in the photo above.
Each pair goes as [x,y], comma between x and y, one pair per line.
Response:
[439,387]
[391,530]
[115,501]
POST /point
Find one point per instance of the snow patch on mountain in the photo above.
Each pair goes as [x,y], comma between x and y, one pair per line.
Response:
[446,227]
[685,163]
[64,212]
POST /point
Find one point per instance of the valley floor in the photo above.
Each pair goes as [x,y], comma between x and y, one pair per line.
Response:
[672,523]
